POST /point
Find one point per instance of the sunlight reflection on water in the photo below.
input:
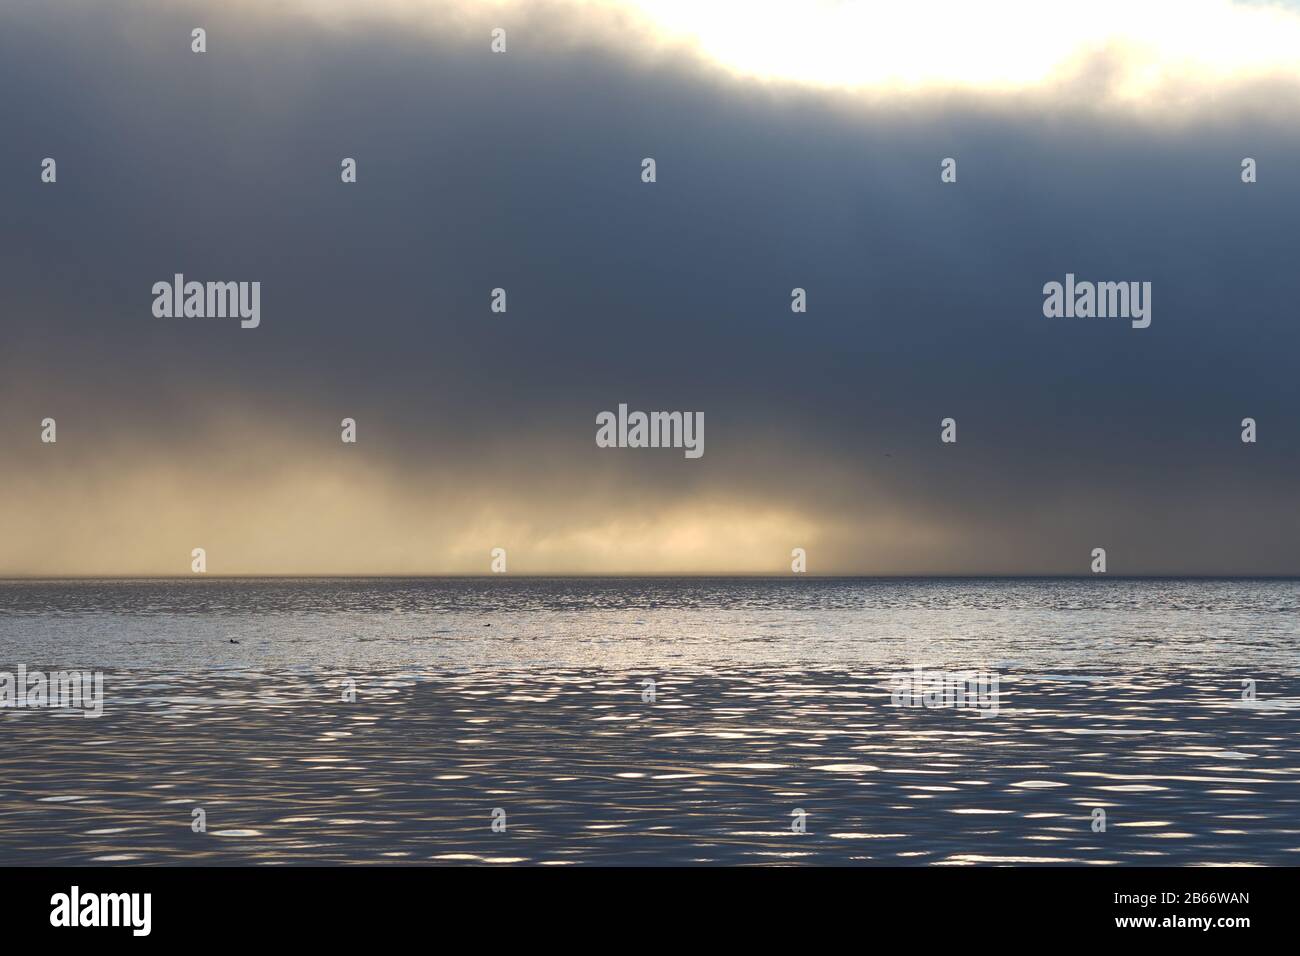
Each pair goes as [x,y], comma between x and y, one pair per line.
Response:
[542,715]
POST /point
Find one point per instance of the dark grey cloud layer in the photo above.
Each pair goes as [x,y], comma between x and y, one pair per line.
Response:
[522,171]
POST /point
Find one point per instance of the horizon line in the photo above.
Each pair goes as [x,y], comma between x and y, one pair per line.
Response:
[726,575]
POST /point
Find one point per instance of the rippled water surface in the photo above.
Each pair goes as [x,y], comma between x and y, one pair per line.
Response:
[770,696]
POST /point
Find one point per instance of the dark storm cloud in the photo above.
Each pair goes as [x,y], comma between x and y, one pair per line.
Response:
[522,171]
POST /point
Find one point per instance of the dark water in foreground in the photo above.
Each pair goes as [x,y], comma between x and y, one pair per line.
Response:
[770,696]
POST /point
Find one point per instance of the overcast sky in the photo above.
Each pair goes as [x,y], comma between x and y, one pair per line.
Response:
[797,145]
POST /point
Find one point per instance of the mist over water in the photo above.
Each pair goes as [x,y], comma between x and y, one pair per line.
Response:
[525,694]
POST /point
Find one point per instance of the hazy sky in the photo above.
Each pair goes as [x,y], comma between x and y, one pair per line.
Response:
[798,144]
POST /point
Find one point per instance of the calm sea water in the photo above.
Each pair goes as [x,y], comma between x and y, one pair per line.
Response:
[771,696]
